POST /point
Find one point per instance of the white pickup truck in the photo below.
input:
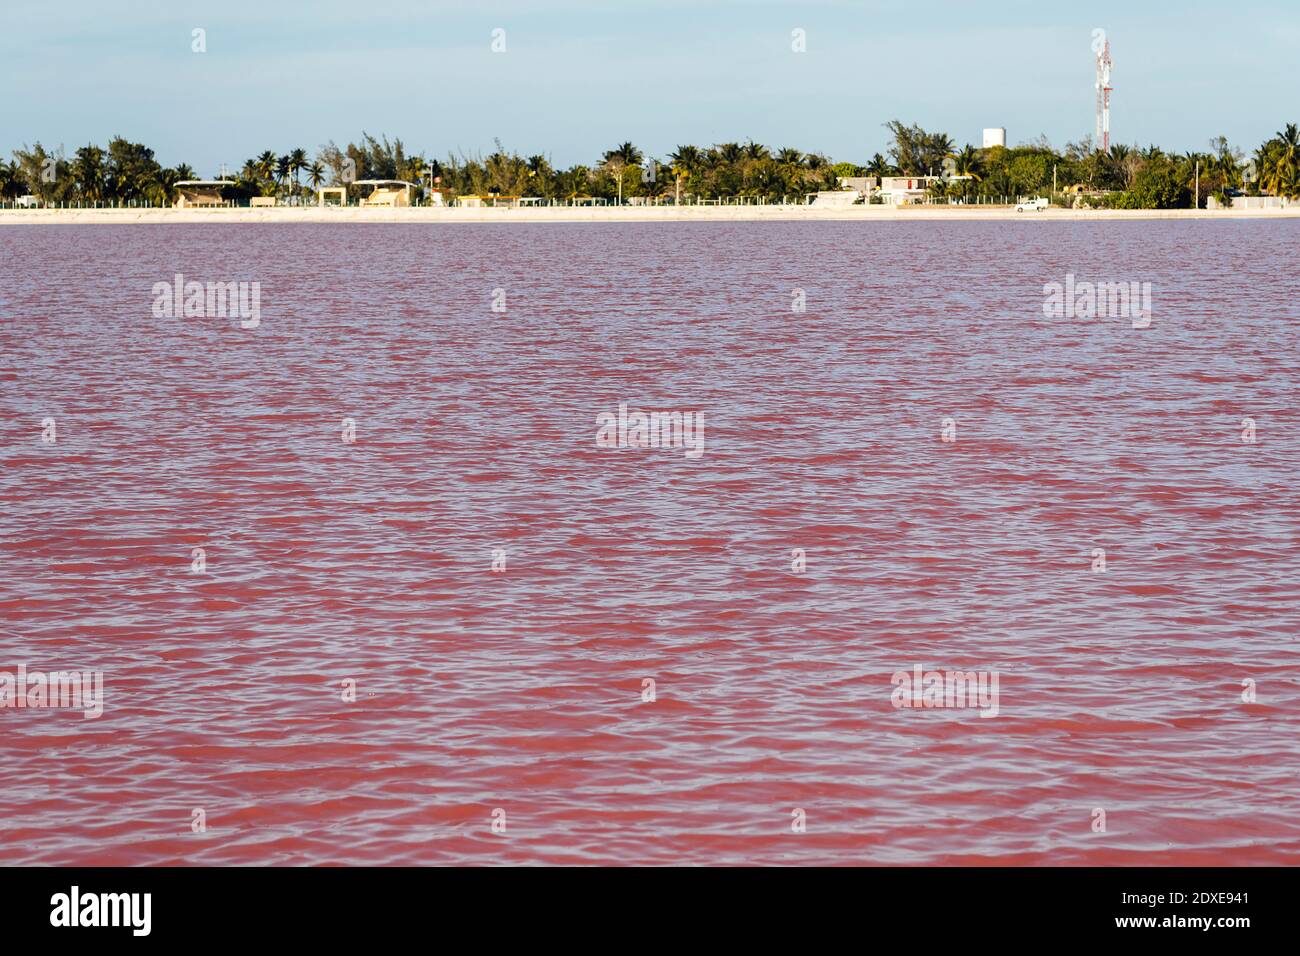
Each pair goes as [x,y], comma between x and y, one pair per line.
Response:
[1032,205]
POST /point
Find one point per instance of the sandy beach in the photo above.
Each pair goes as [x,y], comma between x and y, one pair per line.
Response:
[553,214]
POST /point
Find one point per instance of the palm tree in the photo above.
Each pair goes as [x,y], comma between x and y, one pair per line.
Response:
[997,180]
[730,152]
[266,164]
[88,170]
[767,179]
[541,178]
[570,181]
[688,157]
[686,161]
[625,154]
[879,166]
[316,174]
[968,163]
[1124,163]
[654,186]
[1290,139]
[282,169]
[297,163]
[1281,166]
[1223,172]
[789,157]
[9,184]
[938,147]
[184,171]
[617,160]
[756,151]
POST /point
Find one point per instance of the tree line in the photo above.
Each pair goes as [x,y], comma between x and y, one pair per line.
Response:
[1125,177]
[125,173]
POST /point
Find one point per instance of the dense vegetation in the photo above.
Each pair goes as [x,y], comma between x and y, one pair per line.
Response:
[1126,177]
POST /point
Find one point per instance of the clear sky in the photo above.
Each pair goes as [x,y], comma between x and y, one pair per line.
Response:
[579,76]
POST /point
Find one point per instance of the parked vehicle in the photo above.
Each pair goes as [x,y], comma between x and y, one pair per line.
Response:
[1032,205]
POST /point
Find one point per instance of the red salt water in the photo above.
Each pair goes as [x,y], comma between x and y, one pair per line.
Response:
[521,690]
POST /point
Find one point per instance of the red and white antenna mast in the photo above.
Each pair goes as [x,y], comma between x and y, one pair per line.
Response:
[1103,92]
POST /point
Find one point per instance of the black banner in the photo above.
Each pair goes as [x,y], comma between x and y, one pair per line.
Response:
[1220,907]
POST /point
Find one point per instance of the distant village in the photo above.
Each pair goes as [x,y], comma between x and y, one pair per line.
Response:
[919,167]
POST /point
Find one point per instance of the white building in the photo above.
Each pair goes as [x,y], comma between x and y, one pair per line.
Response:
[865,185]
[901,190]
[834,197]
[995,136]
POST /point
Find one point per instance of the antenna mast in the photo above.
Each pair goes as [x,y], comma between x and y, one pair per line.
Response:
[1103,95]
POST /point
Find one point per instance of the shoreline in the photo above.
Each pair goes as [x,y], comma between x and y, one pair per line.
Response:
[558,214]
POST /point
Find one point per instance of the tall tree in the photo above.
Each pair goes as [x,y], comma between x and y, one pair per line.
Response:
[879,166]
[266,164]
[916,152]
[9,184]
[616,162]
[789,157]
[88,170]
[1280,163]
[625,154]
[132,174]
[297,163]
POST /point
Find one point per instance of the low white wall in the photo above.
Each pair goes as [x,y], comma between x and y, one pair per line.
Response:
[307,214]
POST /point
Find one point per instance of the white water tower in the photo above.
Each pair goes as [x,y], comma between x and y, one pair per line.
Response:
[995,136]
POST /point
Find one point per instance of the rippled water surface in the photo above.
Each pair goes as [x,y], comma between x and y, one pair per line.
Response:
[521,690]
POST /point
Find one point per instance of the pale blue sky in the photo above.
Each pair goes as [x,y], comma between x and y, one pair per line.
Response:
[579,76]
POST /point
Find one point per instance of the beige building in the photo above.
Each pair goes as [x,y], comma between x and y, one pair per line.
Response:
[387,192]
[199,192]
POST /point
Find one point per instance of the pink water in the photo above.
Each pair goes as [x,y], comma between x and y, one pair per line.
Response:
[522,690]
